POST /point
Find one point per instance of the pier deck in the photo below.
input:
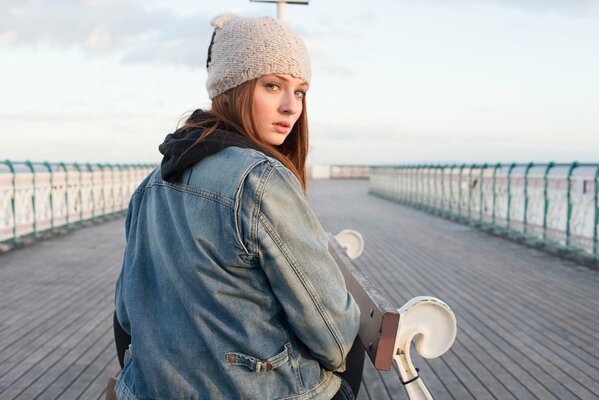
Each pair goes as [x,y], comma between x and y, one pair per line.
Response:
[528,323]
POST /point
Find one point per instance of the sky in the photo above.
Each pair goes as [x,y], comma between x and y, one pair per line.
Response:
[393,81]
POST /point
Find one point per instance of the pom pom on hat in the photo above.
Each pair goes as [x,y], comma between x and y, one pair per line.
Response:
[247,48]
[220,20]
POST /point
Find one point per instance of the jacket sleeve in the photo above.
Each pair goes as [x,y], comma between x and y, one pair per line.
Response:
[120,306]
[293,251]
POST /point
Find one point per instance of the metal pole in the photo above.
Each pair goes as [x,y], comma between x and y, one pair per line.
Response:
[509,194]
[482,188]
[596,207]
[14,199]
[49,167]
[497,166]
[569,215]
[281,8]
[528,167]
[546,199]
[33,198]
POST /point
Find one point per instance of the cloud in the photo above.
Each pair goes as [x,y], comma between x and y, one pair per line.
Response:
[565,7]
[8,37]
[321,61]
[125,27]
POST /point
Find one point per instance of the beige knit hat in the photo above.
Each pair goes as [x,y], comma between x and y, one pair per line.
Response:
[246,48]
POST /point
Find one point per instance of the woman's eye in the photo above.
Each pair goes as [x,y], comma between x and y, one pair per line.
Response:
[300,93]
[272,86]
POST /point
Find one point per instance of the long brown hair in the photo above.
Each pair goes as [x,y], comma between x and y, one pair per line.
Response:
[235,109]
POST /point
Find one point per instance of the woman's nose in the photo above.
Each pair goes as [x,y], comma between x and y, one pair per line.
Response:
[290,104]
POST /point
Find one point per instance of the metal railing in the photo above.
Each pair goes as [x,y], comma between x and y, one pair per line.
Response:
[41,197]
[338,171]
[550,204]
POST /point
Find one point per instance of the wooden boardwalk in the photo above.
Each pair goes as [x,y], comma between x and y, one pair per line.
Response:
[527,322]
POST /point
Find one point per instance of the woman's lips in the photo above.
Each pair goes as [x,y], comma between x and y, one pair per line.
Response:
[281,127]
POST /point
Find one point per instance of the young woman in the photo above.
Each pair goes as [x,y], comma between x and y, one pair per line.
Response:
[227,289]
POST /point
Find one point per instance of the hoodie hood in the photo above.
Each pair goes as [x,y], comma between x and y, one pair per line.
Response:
[175,145]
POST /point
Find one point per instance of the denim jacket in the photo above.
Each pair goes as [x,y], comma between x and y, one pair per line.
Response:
[227,287]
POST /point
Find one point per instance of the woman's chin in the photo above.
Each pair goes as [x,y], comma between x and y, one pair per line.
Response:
[276,140]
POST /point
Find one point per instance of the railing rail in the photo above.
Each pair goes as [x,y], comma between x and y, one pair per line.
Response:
[551,204]
[38,197]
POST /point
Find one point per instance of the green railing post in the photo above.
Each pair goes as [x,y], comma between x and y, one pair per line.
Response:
[13,200]
[497,166]
[596,207]
[443,188]
[400,176]
[415,183]
[451,188]
[428,179]
[569,215]
[121,191]
[417,193]
[460,191]
[33,200]
[92,191]
[51,196]
[546,199]
[435,183]
[470,190]
[80,196]
[482,189]
[431,186]
[509,194]
[528,167]
[102,191]
[409,184]
[66,192]
[112,187]
[415,172]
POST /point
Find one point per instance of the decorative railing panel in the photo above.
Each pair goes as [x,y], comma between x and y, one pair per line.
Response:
[555,204]
[41,197]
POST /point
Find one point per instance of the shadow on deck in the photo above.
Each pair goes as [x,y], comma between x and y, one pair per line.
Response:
[527,322]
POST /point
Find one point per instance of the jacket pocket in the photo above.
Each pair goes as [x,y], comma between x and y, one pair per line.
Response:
[125,386]
[259,364]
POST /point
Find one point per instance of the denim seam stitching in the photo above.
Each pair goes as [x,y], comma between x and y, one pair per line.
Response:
[295,365]
[258,203]
[196,192]
[305,282]
[250,361]
[237,206]
[151,179]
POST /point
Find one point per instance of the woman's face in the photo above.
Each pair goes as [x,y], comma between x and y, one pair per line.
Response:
[277,106]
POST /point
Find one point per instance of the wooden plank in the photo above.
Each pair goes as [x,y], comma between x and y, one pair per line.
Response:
[36,341]
[97,386]
[537,353]
[522,330]
[469,270]
[75,378]
[49,350]
[374,388]
[59,371]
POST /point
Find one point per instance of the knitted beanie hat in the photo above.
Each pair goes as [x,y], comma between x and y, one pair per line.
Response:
[246,48]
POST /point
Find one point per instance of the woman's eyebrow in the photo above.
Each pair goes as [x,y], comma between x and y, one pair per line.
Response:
[287,80]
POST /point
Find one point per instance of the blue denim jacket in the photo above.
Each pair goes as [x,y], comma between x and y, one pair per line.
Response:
[227,287]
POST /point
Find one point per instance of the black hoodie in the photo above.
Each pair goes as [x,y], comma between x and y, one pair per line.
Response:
[175,144]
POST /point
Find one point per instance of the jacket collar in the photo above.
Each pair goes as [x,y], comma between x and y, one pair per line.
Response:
[179,153]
